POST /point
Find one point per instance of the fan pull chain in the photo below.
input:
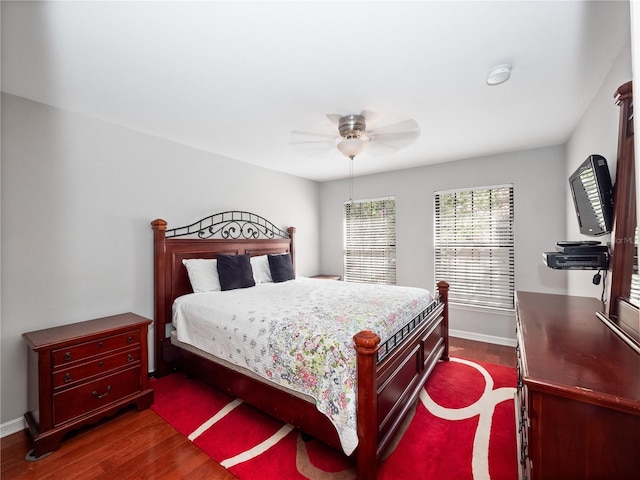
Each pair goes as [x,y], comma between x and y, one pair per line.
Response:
[351,178]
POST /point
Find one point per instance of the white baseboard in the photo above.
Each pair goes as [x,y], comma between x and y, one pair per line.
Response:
[11,427]
[480,337]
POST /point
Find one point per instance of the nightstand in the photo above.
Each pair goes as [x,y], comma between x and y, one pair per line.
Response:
[327,277]
[83,372]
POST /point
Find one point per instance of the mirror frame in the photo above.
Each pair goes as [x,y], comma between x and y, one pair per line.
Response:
[623,247]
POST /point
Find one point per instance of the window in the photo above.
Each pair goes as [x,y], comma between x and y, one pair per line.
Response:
[474,248]
[370,241]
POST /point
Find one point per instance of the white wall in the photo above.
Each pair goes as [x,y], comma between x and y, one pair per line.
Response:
[539,182]
[597,132]
[78,196]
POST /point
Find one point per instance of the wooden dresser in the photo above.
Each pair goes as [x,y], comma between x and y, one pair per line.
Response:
[578,400]
[82,372]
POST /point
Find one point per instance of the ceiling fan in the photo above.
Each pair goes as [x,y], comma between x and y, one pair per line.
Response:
[352,134]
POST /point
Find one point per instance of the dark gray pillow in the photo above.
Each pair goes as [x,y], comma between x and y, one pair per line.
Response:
[281,267]
[234,271]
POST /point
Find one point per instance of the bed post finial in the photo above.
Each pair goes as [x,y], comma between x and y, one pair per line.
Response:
[443,290]
[159,224]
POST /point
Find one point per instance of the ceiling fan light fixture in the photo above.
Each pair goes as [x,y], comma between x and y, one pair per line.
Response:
[351,147]
[354,136]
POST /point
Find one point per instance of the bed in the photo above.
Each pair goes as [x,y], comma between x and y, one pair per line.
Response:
[389,372]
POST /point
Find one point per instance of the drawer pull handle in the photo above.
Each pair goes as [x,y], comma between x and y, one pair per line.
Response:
[524,454]
[67,378]
[97,395]
[99,344]
[522,424]
[101,364]
[67,356]
[129,339]
[129,358]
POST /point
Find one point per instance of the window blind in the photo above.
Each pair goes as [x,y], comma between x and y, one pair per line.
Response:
[370,241]
[474,245]
[634,296]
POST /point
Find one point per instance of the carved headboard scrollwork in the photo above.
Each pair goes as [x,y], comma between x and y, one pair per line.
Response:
[233,224]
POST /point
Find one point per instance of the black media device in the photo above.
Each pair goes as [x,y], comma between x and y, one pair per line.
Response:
[578,255]
[576,261]
[592,194]
[589,246]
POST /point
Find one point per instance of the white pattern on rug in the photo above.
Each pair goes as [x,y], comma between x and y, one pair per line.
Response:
[484,408]
[249,454]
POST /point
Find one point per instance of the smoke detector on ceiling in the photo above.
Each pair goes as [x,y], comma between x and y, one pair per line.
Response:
[499,74]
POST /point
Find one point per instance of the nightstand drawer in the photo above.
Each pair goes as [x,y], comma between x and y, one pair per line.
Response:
[98,366]
[88,397]
[72,354]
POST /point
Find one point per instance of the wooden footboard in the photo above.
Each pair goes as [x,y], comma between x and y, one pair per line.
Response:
[390,383]
[390,375]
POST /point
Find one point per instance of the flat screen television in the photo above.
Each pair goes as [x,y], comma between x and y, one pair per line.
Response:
[592,193]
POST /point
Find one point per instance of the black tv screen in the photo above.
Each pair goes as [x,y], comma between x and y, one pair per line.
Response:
[592,193]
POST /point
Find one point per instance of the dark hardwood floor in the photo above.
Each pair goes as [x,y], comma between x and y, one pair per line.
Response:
[484,352]
[140,445]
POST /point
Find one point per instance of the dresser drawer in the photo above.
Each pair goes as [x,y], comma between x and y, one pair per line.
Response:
[88,397]
[82,351]
[96,366]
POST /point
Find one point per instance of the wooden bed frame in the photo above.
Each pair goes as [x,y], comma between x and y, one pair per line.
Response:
[389,375]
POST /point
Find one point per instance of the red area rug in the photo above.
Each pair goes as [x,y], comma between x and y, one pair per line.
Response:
[463,427]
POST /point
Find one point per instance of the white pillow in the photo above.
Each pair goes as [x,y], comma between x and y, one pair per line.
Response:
[261,270]
[203,274]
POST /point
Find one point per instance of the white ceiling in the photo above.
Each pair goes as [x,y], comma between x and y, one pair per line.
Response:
[235,78]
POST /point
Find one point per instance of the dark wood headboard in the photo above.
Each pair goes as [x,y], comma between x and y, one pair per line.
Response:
[228,233]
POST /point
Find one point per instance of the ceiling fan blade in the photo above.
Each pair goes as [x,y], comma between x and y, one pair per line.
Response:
[312,144]
[386,143]
[314,152]
[326,143]
[379,149]
[369,115]
[404,126]
[334,118]
[403,138]
[312,134]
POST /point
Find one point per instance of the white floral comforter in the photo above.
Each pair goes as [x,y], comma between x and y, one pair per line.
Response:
[299,334]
